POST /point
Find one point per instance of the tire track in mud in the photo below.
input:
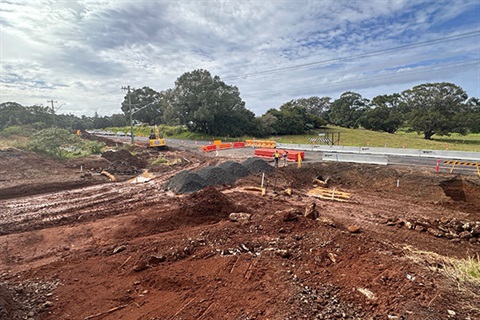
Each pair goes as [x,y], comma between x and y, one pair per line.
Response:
[71,206]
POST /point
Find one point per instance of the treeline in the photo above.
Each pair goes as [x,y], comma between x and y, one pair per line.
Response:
[205,104]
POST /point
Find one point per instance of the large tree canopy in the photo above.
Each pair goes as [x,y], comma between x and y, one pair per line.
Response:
[436,108]
[207,105]
[384,114]
[294,117]
[347,110]
[145,103]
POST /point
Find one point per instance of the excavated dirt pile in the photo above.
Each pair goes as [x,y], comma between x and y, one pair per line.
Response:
[123,162]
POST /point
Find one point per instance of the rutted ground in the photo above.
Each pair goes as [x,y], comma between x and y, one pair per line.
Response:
[89,248]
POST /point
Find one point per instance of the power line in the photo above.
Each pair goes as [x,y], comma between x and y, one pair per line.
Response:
[362,55]
[382,77]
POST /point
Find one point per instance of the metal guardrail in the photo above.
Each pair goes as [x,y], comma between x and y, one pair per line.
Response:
[355,158]
[444,154]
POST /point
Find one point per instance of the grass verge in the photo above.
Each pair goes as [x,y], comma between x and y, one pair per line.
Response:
[464,272]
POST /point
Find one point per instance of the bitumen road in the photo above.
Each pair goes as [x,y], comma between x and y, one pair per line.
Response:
[314,156]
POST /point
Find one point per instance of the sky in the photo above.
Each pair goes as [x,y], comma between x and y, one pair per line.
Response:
[80,53]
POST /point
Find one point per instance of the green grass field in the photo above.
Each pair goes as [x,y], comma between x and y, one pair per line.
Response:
[410,140]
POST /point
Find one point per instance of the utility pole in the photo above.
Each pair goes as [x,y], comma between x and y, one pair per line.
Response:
[127,88]
[53,110]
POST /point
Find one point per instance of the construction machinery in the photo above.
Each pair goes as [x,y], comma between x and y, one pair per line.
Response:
[156,140]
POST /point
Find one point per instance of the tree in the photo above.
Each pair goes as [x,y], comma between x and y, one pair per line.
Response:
[436,108]
[309,110]
[101,122]
[265,125]
[473,115]
[384,114]
[140,98]
[119,120]
[12,113]
[314,105]
[205,104]
[347,110]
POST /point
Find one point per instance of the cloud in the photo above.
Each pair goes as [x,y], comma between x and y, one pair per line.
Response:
[82,52]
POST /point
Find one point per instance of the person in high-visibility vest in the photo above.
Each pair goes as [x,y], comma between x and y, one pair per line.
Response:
[285,155]
[276,156]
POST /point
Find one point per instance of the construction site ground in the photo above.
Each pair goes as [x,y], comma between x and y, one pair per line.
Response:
[76,245]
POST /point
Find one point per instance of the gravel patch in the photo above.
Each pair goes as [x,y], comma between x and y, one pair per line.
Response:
[234,168]
[185,182]
[215,176]
[257,165]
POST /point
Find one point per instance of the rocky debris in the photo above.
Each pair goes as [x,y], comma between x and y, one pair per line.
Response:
[441,228]
[215,176]
[25,300]
[235,169]
[257,165]
[322,302]
[311,211]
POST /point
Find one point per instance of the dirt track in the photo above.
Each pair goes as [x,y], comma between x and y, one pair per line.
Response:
[87,248]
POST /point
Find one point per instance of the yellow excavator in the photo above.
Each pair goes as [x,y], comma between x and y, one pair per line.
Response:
[156,140]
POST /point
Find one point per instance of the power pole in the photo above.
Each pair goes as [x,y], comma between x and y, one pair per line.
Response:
[53,110]
[127,88]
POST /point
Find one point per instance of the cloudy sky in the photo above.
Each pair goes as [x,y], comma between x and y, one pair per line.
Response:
[80,53]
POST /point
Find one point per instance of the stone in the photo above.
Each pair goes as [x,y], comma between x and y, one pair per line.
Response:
[328,222]
[311,211]
[156,259]
[476,231]
[465,235]
[141,265]
[240,217]
[353,229]
[435,232]
[290,215]
[420,228]
[283,253]
[119,249]
[451,313]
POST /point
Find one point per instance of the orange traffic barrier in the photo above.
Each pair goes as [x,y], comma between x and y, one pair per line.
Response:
[268,154]
[239,144]
[260,143]
[225,146]
[209,148]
